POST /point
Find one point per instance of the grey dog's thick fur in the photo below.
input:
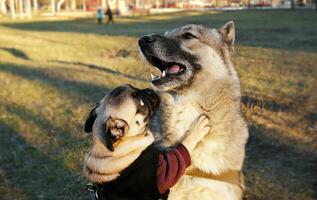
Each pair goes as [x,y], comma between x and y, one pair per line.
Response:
[209,86]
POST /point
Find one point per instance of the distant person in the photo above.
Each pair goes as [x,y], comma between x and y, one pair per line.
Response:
[110,15]
[99,15]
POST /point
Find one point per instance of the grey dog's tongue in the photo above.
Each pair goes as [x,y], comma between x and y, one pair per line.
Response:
[173,69]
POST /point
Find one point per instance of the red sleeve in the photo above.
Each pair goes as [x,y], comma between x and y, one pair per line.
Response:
[171,167]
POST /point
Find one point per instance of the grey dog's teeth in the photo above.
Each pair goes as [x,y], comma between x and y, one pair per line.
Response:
[163,73]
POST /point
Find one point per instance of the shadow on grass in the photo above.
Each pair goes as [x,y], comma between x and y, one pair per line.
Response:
[16,52]
[277,168]
[60,134]
[83,89]
[103,69]
[276,29]
[29,173]
[284,168]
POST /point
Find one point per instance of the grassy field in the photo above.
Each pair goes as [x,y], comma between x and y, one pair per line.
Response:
[52,72]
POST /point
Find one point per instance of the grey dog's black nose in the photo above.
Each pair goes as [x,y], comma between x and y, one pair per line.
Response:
[147,39]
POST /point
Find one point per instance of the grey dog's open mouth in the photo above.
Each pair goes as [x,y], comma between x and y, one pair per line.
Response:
[169,70]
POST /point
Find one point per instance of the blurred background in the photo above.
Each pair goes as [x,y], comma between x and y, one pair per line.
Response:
[27,8]
[56,62]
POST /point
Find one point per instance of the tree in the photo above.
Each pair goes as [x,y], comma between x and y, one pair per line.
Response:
[103,4]
[28,8]
[35,6]
[53,7]
[59,4]
[274,2]
[292,4]
[12,8]
[84,6]
[21,8]
[73,5]
[3,6]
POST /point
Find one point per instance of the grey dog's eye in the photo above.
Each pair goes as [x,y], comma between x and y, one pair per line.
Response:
[138,123]
[188,36]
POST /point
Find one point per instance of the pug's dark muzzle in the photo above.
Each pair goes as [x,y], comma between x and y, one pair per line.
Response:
[114,129]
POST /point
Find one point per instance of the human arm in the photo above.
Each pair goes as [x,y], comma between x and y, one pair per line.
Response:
[173,163]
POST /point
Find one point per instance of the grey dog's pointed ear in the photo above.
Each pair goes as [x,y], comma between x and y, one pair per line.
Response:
[228,33]
[91,119]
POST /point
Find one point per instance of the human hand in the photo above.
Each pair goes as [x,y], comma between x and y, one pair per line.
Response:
[196,132]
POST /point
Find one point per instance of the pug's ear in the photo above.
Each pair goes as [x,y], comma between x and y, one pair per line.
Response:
[91,119]
[228,34]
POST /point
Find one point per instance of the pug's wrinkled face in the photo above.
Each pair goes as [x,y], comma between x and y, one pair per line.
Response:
[125,111]
[126,117]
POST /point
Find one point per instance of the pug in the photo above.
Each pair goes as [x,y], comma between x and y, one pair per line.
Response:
[123,161]
[125,111]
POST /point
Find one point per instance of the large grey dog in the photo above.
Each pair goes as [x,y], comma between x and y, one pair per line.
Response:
[197,77]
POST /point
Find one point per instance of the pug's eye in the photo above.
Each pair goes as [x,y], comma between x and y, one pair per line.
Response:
[138,123]
[188,36]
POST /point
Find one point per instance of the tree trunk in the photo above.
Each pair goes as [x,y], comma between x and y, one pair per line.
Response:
[35,6]
[73,5]
[3,6]
[84,6]
[21,9]
[274,2]
[103,4]
[12,9]
[53,7]
[292,4]
[28,8]
[59,4]
[67,6]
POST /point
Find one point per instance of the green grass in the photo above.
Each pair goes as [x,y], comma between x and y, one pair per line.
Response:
[52,72]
